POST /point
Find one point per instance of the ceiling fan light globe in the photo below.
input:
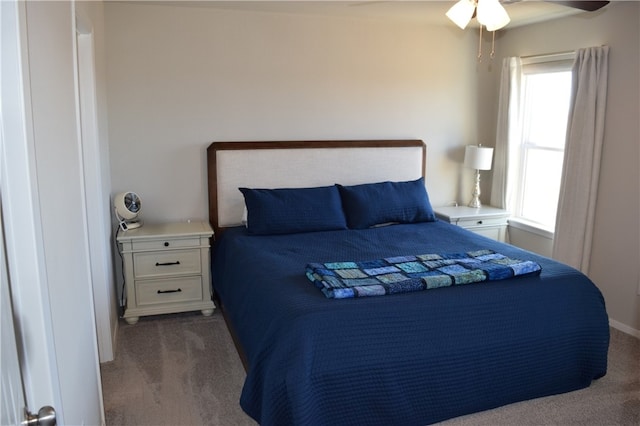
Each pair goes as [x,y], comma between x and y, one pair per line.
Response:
[492,14]
[461,12]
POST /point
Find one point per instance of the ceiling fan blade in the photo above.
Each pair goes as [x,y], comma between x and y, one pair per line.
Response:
[589,6]
[368,3]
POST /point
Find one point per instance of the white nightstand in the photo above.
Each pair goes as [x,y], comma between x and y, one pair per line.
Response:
[488,221]
[166,269]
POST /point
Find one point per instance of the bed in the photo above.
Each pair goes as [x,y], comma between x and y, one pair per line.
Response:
[406,355]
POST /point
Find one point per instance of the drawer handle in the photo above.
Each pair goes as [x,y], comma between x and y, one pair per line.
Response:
[170,291]
[479,222]
[167,263]
[166,243]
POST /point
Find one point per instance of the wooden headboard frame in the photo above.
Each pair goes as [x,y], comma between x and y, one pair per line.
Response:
[313,163]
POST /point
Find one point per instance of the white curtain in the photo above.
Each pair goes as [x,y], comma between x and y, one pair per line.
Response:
[581,168]
[507,128]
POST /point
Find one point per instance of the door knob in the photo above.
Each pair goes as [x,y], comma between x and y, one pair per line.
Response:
[46,417]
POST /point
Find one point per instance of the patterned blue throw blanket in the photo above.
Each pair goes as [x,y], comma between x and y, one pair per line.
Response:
[402,274]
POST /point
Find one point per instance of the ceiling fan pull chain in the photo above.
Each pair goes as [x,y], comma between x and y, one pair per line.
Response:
[493,45]
[480,45]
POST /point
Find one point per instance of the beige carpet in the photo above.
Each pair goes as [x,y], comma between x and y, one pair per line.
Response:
[184,370]
[174,370]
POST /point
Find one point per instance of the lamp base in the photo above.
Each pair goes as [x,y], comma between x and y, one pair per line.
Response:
[475,197]
[475,203]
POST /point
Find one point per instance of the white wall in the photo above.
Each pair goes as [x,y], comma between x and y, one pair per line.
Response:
[182,77]
[615,252]
[526,237]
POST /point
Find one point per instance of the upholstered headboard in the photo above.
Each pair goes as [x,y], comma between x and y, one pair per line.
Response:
[299,164]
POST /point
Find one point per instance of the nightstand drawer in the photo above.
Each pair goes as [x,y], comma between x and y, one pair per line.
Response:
[170,262]
[470,223]
[167,244]
[169,290]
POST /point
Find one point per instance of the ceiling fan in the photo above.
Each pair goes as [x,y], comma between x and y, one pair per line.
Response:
[493,15]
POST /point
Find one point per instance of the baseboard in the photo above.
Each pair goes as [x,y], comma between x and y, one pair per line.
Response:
[624,328]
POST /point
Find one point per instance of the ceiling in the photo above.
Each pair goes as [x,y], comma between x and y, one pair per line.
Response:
[522,12]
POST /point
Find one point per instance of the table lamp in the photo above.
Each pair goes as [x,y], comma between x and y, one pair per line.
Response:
[479,158]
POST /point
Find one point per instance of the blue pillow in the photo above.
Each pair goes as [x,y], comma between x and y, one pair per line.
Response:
[386,202]
[289,211]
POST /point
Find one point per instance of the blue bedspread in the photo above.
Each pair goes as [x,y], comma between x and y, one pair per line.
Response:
[407,359]
[403,274]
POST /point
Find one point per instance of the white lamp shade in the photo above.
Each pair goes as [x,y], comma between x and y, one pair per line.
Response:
[478,157]
[492,14]
[461,13]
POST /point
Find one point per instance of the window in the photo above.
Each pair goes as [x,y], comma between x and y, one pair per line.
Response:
[545,97]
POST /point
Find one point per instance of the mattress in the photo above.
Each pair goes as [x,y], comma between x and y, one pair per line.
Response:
[411,358]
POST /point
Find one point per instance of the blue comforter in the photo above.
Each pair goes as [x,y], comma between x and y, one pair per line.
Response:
[403,359]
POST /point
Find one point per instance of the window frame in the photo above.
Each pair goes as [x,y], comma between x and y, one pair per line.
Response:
[562,62]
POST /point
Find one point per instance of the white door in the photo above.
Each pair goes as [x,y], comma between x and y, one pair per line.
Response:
[13,410]
[12,391]
[43,214]
[13,403]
